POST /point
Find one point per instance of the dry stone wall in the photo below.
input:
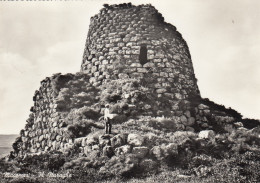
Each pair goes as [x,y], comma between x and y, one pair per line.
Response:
[46,128]
[135,41]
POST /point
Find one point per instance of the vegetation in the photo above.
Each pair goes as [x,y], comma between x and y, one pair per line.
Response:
[230,157]
[175,155]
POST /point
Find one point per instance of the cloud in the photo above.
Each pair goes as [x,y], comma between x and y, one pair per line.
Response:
[62,57]
[15,83]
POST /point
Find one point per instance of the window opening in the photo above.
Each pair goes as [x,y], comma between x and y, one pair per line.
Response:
[143,55]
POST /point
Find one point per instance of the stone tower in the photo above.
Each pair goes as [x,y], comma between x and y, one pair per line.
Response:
[138,39]
[123,41]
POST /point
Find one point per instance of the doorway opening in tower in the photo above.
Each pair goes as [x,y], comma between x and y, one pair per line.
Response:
[143,55]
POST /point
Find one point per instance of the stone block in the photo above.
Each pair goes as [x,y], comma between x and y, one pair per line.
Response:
[149,64]
[104,140]
[184,120]
[87,149]
[165,85]
[125,149]
[135,139]
[118,140]
[206,134]
[142,70]
[157,152]
[157,85]
[188,128]
[41,138]
[187,114]
[53,145]
[161,90]
[108,151]
[95,148]
[178,96]
[140,152]
[158,60]
[191,121]
[58,138]
[202,107]
[171,149]
[137,75]
[164,74]
[136,65]
[150,57]
[91,140]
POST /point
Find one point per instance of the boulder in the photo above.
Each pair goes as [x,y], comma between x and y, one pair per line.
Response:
[206,134]
[191,121]
[255,130]
[187,114]
[184,120]
[131,159]
[135,139]
[104,140]
[238,124]
[125,149]
[171,149]
[78,141]
[108,151]
[148,165]
[95,147]
[202,107]
[83,142]
[140,152]
[157,152]
[118,140]
[87,150]
[91,140]
[188,128]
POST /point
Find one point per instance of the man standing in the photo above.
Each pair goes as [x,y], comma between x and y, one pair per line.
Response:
[107,118]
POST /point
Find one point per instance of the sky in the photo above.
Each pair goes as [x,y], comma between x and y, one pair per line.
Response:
[40,38]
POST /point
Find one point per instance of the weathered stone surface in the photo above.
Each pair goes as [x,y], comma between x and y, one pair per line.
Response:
[118,140]
[135,139]
[78,141]
[171,149]
[95,147]
[108,151]
[161,90]
[104,140]
[184,119]
[125,149]
[202,107]
[91,140]
[87,150]
[157,152]
[206,134]
[148,165]
[140,152]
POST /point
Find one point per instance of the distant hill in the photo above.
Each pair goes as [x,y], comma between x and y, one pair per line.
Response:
[6,142]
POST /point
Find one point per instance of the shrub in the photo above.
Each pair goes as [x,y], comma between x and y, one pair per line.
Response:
[222,108]
[165,124]
[52,161]
[180,137]
[123,165]
[80,129]
[250,123]
[17,145]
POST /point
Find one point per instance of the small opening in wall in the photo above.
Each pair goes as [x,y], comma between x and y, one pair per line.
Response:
[122,36]
[143,55]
